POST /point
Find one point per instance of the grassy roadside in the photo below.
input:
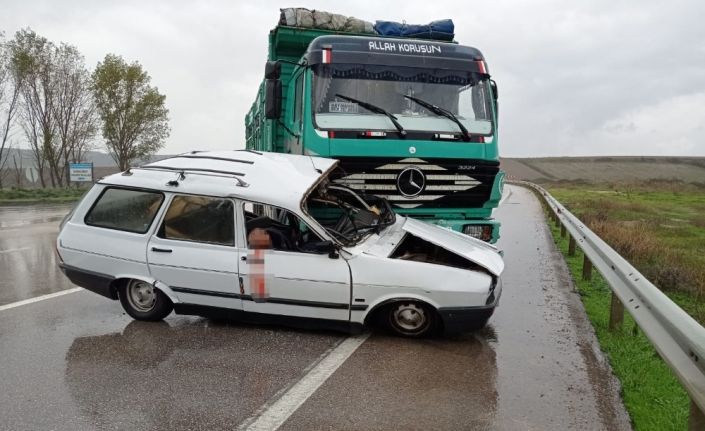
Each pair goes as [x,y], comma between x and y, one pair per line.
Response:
[17,195]
[659,229]
[652,395]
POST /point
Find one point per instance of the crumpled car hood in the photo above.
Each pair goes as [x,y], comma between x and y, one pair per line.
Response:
[483,254]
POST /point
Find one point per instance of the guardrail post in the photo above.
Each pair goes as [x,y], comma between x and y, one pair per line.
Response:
[563,231]
[571,246]
[587,268]
[696,422]
[616,313]
[557,219]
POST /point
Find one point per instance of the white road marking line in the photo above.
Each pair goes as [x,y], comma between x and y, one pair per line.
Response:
[39,298]
[505,195]
[14,249]
[276,412]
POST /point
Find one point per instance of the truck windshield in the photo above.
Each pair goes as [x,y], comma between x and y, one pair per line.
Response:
[464,94]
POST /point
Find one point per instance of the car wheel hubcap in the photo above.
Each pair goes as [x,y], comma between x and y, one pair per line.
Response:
[409,317]
[141,295]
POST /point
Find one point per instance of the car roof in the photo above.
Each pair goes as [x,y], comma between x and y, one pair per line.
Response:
[274,178]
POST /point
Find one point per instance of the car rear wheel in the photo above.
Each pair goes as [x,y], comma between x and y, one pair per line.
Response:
[411,319]
[143,301]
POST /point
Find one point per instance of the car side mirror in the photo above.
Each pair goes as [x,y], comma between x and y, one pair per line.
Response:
[272,99]
[326,247]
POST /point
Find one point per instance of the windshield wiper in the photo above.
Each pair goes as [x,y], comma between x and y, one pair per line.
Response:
[442,112]
[377,110]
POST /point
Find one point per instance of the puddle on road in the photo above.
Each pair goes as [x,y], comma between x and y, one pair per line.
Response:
[21,215]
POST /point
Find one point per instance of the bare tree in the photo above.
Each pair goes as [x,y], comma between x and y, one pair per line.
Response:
[9,97]
[18,168]
[74,110]
[135,120]
[32,59]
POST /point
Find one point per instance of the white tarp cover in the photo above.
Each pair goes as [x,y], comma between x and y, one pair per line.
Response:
[302,17]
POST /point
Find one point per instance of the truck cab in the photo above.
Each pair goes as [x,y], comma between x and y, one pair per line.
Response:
[413,121]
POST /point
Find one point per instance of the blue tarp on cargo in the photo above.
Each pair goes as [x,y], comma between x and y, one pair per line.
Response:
[437,30]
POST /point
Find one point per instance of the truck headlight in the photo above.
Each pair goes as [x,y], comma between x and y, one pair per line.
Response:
[479,231]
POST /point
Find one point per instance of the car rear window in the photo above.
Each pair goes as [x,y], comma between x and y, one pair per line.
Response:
[199,219]
[125,209]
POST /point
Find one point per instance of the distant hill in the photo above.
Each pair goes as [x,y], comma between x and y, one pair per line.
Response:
[98,158]
[539,169]
[606,169]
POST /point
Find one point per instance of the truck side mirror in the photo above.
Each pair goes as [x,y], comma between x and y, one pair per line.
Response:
[495,96]
[493,84]
[272,99]
[272,70]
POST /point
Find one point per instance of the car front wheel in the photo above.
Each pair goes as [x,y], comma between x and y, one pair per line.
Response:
[411,319]
[143,301]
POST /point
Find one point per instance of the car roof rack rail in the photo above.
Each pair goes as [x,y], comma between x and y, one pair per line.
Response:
[247,150]
[192,156]
[199,171]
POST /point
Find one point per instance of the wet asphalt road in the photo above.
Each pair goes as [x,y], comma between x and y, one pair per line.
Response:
[78,362]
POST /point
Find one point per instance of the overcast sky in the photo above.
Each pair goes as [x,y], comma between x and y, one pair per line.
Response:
[603,77]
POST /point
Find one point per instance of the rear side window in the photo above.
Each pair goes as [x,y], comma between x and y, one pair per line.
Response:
[125,209]
[199,219]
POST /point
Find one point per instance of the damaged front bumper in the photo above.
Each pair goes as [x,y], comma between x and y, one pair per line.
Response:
[459,319]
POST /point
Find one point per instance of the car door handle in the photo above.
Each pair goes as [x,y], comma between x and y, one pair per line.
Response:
[243,258]
[161,250]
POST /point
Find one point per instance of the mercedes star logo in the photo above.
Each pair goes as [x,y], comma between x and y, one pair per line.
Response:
[411,182]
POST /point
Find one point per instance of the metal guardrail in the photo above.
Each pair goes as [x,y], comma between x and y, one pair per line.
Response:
[677,337]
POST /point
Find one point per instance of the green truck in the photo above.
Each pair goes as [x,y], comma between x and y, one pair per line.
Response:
[411,120]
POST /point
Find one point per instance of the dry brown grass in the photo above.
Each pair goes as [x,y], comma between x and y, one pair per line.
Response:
[635,241]
[630,239]
[699,221]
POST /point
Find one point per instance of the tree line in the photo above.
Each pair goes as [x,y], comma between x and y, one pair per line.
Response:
[52,103]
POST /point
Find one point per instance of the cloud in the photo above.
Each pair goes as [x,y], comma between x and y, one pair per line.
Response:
[575,78]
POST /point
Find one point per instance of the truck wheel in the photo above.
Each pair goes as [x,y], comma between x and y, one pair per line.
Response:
[143,302]
[411,319]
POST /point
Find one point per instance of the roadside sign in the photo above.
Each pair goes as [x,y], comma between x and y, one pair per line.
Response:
[81,172]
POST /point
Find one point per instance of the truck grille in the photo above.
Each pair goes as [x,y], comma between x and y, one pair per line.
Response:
[421,183]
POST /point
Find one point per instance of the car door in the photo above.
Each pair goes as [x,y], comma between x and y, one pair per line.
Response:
[193,251]
[293,281]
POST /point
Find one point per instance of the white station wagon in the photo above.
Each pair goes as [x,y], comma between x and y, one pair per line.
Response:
[266,237]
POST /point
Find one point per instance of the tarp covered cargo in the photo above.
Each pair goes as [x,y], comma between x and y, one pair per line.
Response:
[305,18]
[436,30]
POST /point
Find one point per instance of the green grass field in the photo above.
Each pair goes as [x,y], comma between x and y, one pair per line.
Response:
[660,228]
[16,195]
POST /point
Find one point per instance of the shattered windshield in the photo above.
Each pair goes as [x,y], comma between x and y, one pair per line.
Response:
[392,88]
[346,215]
